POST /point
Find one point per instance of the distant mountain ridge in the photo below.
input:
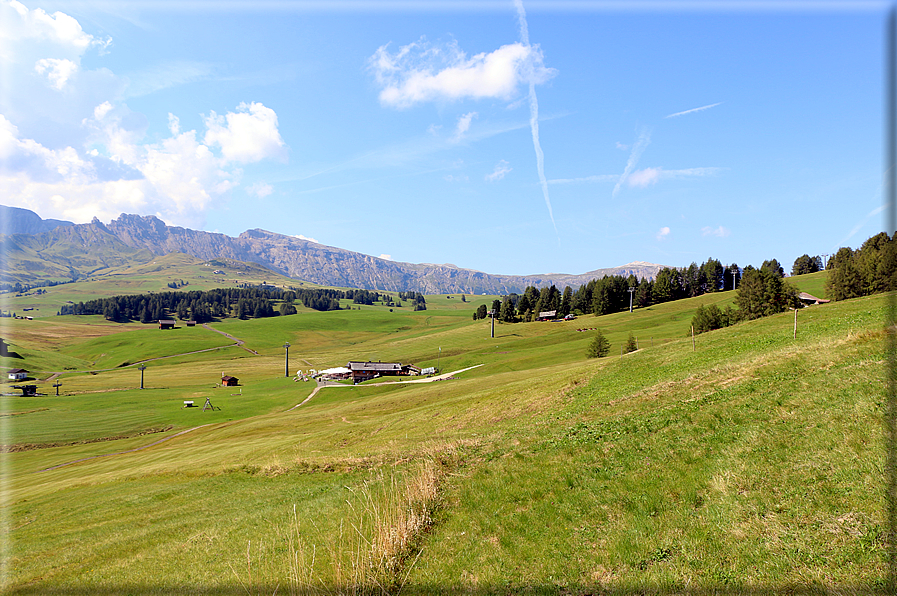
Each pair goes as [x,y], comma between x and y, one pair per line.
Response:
[16,220]
[298,258]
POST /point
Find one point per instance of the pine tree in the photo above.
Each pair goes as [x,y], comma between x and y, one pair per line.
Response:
[599,347]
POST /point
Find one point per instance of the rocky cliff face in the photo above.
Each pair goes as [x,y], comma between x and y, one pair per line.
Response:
[317,263]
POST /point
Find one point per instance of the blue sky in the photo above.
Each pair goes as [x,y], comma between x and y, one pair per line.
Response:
[513,138]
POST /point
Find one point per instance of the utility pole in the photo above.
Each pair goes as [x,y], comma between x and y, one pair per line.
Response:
[631,290]
[437,358]
[824,260]
[286,368]
[492,314]
[57,385]
[141,368]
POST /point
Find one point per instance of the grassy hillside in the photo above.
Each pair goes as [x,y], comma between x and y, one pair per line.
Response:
[749,462]
[152,274]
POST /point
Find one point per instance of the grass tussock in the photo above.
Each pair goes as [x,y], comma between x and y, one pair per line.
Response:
[375,546]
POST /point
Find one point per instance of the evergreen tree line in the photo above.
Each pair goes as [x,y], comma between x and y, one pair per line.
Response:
[611,293]
[870,269]
[204,306]
[242,303]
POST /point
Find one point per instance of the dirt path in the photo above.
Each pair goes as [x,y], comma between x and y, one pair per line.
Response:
[239,342]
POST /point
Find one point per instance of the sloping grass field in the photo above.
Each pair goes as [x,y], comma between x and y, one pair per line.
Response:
[749,462]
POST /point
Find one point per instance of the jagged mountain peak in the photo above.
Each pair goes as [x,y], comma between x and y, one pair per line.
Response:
[307,260]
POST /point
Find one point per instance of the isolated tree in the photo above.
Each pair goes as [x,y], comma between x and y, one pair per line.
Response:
[287,308]
[631,344]
[599,346]
[710,318]
[481,311]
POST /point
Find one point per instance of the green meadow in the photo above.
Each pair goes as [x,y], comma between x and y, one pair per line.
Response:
[745,460]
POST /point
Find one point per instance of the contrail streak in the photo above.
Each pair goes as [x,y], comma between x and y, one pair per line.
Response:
[701,109]
[643,140]
[534,116]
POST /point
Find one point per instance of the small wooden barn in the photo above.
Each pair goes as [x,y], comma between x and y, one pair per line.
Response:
[166,323]
[228,381]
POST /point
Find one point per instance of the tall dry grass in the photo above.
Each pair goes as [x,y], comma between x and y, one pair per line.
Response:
[372,549]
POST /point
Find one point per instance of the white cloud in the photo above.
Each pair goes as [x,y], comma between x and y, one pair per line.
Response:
[386,257]
[463,125]
[246,136]
[501,169]
[45,88]
[177,178]
[58,71]
[456,178]
[18,23]
[421,72]
[260,189]
[301,237]
[719,232]
[663,233]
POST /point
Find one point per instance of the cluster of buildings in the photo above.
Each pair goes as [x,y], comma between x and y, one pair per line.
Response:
[363,371]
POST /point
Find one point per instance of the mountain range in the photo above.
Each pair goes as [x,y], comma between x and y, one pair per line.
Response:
[36,250]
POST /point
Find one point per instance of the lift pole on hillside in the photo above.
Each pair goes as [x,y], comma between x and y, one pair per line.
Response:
[141,368]
[631,290]
[286,369]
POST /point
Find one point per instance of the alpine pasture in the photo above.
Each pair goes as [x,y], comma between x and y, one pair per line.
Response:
[749,460]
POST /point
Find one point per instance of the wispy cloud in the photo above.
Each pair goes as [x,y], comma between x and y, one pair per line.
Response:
[260,189]
[534,74]
[858,227]
[502,168]
[644,139]
[649,176]
[693,110]
[463,126]
[719,232]
[386,257]
[596,178]
[663,233]
[301,237]
[166,75]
